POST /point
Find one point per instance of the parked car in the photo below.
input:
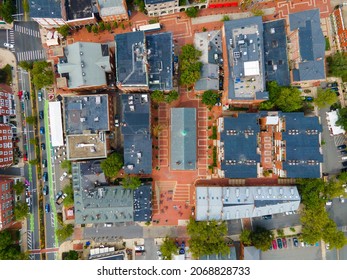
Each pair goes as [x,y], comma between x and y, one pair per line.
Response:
[342,199]
[279,243]
[47,208]
[7,45]
[341,147]
[25,157]
[295,242]
[45,190]
[343,152]
[327,246]
[39,95]
[26,95]
[116,120]
[43,146]
[44,163]
[329,202]
[45,176]
[284,241]
[63,176]
[59,194]
[266,217]
[274,244]
[41,115]
[344,163]
[28,201]
[343,170]
[20,94]
[42,130]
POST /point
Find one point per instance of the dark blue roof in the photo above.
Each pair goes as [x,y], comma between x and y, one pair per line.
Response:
[159,47]
[311,44]
[78,9]
[138,154]
[275,48]
[45,9]
[240,145]
[151,2]
[302,146]
[143,203]
[131,67]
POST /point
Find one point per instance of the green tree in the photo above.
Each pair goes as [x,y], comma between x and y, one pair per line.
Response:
[67,165]
[122,26]
[9,250]
[64,232]
[64,30]
[171,96]
[192,12]
[102,26]
[168,248]
[69,199]
[140,4]
[325,98]
[115,24]
[207,237]
[112,165]
[26,65]
[190,66]
[131,182]
[34,161]
[245,237]
[42,74]
[262,238]
[225,18]
[286,99]
[71,255]
[26,7]
[342,118]
[157,96]
[95,29]
[333,188]
[337,65]
[7,9]
[31,120]
[210,98]
[33,141]
[108,26]
[257,12]
[19,187]
[333,236]
[89,28]
[21,210]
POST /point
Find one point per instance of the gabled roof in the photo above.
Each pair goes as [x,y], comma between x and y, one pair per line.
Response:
[111,7]
[311,44]
[209,78]
[86,64]
[183,138]
[209,43]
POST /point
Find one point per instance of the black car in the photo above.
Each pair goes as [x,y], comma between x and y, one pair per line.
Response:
[295,242]
[266,217]
[45,176]
[343,152]
[344,170]
[341,147]
[41,115]
[26,95]
[44,163]
[43,146]
[45,190]
[344,163]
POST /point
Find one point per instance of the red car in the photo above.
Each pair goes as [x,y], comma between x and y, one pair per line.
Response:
[20,94]
[274,244]
[284,241]
[25,157]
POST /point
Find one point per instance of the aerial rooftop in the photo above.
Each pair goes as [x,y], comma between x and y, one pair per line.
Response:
[79,9]
[45,9]
[229,203]
[245,47]
[111,7]
[183,139]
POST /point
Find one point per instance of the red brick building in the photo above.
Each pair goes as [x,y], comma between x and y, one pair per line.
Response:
[7,103]
[6,203]
[6,146]
[339,27]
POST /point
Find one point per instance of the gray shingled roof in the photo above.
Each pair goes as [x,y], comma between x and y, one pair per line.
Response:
[183,139]
[86,64]
[209,78]
[111,7]
[311,44]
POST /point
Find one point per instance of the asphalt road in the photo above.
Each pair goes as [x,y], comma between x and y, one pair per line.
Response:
[122,231]
[277,221]
[338,212]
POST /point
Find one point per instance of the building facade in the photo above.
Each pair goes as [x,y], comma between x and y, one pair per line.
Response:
[112,10]
[6,203]
[161,7]
[6,146]
[7,104]
[340,31]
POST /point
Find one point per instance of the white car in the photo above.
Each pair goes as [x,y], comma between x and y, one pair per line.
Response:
[7,45]
[63,176]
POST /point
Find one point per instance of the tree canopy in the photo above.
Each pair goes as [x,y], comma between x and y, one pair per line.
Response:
[112,164]
[210,98]
[21,210]
[262,238]
[8,250]
[31,120]
[42,74]
[64,232]
[192,12]
[66,164]
[190,65]
[325,98]
[131,182]
[19,187]
[337,65]
[64,30]
[207,237]
[168,248]
[245,237]
[71,255]
[342,118]
[285,99]
[159,96]
[7,9]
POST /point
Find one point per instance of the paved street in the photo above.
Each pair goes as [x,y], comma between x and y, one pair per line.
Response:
[338,212]
[102,234]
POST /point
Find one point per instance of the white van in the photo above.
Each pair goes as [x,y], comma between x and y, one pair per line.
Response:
[344,158]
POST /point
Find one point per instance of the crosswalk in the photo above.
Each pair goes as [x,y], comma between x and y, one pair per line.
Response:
[10,38]
[31,55]
[26,30]
[30,244]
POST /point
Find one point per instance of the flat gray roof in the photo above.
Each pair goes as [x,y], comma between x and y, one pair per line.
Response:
[183,139]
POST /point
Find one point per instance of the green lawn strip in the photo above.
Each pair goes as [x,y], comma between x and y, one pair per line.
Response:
[49,165]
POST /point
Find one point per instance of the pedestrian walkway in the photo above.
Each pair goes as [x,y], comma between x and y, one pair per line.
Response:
[31,55]
[26,30]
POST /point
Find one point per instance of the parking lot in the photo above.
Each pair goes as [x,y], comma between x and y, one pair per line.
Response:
[293,253]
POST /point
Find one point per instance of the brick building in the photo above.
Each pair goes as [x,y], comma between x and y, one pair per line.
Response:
[340,31]
[6,146]
[6,203]
[112,10]
[223,3]
[7,103]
